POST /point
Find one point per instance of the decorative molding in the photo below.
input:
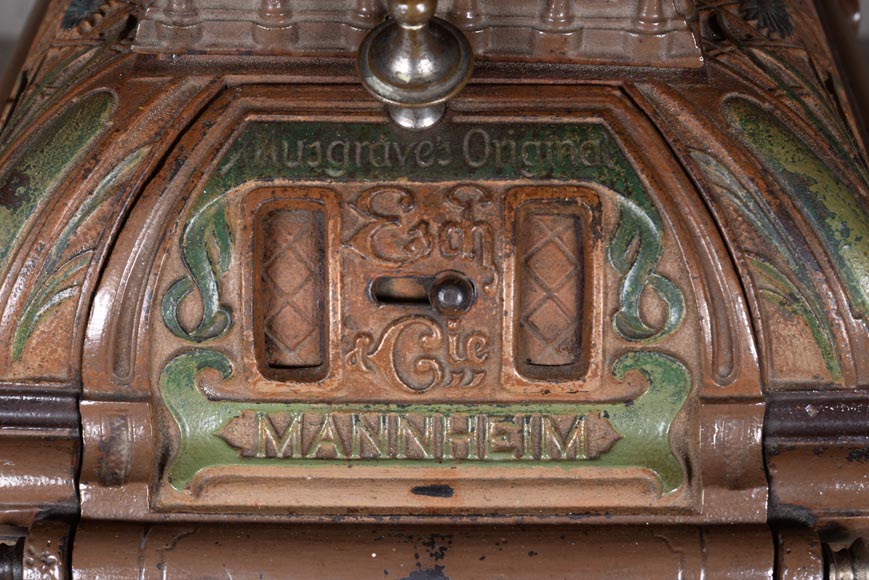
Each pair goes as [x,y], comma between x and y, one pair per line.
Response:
[630,32]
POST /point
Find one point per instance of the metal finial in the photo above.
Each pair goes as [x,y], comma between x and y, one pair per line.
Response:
[415,63]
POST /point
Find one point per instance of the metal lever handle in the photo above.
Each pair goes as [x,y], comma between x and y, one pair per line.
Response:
[415,63]
[450,293]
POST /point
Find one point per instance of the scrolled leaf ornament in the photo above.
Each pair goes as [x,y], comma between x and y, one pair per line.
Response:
[79,11]
[634,251]
[787,287]
[770,15]
[214,433]
[206,249]
[655,411]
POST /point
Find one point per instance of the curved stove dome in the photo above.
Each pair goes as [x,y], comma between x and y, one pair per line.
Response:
[226,273]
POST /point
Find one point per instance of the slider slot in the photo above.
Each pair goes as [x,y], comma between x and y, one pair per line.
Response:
[401,290]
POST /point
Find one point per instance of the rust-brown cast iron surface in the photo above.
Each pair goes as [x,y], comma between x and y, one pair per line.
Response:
[600,313]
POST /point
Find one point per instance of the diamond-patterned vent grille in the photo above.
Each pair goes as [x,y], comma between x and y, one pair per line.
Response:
[549,289]
[293,288]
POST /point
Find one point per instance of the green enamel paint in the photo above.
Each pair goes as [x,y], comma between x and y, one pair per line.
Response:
[265,151]
[637,269]
[790,289]
[643,425]
[59,279]
[839,217]
[269,151]
[35,173]
[779,289]
[207,250]
[377,152]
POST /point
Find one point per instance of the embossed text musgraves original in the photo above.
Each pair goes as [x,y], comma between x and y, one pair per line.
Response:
[375,151]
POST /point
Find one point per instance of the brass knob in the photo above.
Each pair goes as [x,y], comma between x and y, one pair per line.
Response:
[415,63]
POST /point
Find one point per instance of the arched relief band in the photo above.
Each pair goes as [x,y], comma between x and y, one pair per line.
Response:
[824,200]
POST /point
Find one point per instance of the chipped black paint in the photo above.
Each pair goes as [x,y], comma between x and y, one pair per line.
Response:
[436,573]
[859,455]
[436,490]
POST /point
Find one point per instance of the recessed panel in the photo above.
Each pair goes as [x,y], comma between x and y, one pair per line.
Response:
[384,311]
[549,306]
[292,294]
